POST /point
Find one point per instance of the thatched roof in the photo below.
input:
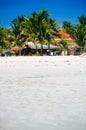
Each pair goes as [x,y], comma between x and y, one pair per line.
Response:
[7,52]
[15,48]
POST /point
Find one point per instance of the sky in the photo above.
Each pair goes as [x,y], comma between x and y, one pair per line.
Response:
[60,10]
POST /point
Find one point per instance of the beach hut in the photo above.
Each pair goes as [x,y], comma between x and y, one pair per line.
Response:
[46,50]
[63,35]
[71,45]
[7,53]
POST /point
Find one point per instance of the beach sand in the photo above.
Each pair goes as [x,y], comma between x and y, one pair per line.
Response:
[43,93]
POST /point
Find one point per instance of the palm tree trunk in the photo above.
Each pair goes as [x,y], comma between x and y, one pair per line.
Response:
[49,48]
[20,52]
[41,53]
[37,52]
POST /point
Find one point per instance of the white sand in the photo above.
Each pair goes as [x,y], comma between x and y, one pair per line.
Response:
[43,93]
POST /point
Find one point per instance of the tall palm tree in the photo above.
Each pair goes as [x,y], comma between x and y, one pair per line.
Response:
[20,31]
[42,27]
[5,38]
[52,28]
[79,32]
[33,29]
[80,35]
[36,31]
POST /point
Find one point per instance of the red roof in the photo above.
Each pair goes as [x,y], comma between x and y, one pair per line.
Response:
[63,34]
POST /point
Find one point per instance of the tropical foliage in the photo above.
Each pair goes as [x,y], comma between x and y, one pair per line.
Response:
[67,27]
[40,29]
[77,31]
[6,38]
[20,31]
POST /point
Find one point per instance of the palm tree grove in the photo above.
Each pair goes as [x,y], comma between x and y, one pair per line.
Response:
[40,29]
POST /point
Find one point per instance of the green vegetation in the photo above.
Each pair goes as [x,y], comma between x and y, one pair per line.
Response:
[67,27]
[77,31]
[80,32]
[6,38]
[40,29]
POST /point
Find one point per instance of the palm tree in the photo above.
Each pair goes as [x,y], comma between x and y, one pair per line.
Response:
[37,30]
[49,27]
[80,35]
[33,29]
[42,27]
[51,30]
[82,20]
[20,31]
[67,27]
[79,32]
[63,45]
[5,38]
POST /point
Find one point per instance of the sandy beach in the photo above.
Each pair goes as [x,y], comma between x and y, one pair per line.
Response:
[43,93]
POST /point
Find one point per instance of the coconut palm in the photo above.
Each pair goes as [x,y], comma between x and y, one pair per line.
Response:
[82,20]
[20,31]
[5,38]
[42,27]
[67,27]
[80,35]
[50,31]
[37,27]
[79,32]
[33,29]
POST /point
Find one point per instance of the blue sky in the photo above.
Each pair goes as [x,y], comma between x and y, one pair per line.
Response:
[60,10]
